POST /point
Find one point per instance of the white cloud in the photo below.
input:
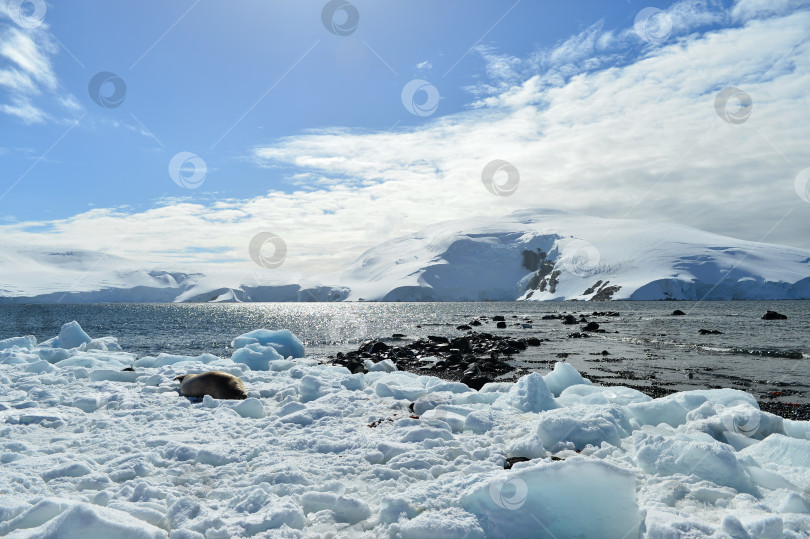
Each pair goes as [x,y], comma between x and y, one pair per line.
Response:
[424,66]
[749,9]
[638,139]
[27,73]
[22,108]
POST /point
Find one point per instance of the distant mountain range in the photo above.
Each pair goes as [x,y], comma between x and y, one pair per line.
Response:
[528,255]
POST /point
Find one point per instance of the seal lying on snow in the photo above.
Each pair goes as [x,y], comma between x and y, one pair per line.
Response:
[218,384]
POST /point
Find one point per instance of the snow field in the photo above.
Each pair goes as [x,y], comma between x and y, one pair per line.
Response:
[88,450]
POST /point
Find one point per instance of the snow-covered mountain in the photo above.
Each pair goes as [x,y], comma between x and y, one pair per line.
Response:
[528,255]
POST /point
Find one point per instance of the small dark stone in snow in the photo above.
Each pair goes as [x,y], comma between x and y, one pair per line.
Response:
[592,326]
[501,325]
[773,315]
[709,332]
[475,323]
[570,319]
[498,318]
[463,327]
[507,465]
[678,312]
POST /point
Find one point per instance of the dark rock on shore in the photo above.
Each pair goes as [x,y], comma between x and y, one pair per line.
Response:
[570,319]
[475,358]
[578,335]
[592,326]
[788,410]
[709,332]
[474,378]
[773,315]
[501,325]
[498,318]
[463,327]
[374,347]
[678,312]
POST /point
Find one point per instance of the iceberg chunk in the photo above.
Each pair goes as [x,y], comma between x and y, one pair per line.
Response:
[285,343]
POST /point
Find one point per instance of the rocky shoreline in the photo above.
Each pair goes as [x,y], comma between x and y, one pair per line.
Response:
[481,357]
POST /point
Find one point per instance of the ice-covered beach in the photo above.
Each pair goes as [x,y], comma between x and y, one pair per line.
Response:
[93,451]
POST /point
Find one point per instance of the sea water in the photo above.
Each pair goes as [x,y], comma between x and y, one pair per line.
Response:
[645,344]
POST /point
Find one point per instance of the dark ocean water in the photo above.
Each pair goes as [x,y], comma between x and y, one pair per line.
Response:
[646,345]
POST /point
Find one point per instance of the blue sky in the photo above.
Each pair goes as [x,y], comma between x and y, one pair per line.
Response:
[304,133]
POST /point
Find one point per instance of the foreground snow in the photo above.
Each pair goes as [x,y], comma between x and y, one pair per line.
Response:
[530,254]
[91,451]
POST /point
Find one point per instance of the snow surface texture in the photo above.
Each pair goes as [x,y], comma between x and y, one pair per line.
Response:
[530,254]
[89,451]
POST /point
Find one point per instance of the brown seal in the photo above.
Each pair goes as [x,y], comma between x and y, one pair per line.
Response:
[218,384]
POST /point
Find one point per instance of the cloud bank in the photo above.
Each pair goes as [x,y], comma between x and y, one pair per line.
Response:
[604,123]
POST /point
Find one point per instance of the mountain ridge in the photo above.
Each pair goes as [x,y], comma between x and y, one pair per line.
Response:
[534,255]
